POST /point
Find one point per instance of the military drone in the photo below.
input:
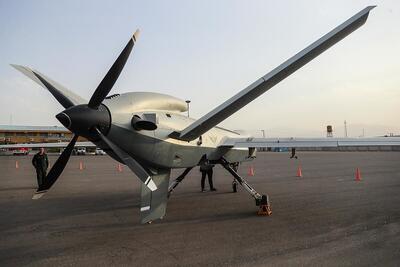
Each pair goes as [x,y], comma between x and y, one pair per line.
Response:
[149,133]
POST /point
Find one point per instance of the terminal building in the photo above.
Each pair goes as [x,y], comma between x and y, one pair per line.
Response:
[13,134]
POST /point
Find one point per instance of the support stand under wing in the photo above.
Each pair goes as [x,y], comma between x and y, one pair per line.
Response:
[153,204]
[261,200]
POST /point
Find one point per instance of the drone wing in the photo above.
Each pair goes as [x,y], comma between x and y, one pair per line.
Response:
[47,145]
[310,142]
[266,82]
[62,94]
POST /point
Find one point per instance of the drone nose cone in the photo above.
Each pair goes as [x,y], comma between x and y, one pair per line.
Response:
[64,119]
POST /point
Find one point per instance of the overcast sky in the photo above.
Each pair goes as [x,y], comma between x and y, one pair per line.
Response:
[207,51]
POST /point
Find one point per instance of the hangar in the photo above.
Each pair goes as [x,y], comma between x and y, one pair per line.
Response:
[17,134]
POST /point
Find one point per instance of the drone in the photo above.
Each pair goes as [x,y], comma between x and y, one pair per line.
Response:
[149,133]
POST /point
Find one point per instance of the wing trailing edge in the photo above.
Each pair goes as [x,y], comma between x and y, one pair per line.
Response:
[310,142]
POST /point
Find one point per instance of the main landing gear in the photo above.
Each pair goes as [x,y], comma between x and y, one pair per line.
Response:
[261,200]
[176,182]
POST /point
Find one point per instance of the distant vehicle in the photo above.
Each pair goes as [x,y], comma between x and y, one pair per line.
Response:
[99,152]
[81,151]
[21,151]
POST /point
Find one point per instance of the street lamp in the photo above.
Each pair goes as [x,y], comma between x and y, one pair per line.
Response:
[188,102]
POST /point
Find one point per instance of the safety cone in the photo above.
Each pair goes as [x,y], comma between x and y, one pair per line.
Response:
[299,173]
[119,167]
[358,175]
[80,165]
[251,171]
[16,164]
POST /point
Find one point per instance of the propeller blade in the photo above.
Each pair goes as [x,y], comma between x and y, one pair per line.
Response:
[56,170]
[135,167]
[112,75]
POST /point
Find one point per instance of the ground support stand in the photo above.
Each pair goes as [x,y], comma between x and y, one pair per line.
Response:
[261,200]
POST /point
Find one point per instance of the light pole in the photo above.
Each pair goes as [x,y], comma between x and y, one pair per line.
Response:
[263,134]
[188,102]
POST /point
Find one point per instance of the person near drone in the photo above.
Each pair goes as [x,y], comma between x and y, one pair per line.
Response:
[41,163]
[206,169]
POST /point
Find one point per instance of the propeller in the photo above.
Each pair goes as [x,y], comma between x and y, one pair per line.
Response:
[130,162]
[92,121]
[112,75]
[56,170]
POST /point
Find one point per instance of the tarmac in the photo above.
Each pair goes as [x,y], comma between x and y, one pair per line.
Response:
[91,216]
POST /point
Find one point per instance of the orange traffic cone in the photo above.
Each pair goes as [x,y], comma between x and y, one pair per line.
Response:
[16,164]
[119,167]
[251,171]
[358,175]
[80,165]
[299,173]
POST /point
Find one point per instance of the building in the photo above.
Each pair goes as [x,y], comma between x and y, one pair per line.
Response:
[13,134]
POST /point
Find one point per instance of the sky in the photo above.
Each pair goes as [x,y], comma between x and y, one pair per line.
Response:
[207,51]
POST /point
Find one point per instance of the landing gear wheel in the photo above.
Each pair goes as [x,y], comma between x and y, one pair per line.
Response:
[234,187]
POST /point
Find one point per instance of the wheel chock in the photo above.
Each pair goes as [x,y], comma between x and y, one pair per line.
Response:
[265,210]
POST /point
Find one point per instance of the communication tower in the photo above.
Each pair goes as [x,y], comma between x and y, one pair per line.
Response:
[329,131]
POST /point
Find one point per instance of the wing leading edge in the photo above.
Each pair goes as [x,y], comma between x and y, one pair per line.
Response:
[266,82]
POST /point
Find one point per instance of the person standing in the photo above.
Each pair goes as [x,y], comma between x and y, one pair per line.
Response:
[41,163]
[206,169]
[293,153]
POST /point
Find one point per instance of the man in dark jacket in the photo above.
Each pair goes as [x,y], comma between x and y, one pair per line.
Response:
[41,163]
[207,169]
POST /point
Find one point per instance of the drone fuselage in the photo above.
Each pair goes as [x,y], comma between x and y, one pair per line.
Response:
[155,148]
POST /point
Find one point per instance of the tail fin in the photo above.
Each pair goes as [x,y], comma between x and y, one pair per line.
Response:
[49,84]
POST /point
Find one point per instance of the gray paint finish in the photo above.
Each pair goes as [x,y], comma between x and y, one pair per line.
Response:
[153,204]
